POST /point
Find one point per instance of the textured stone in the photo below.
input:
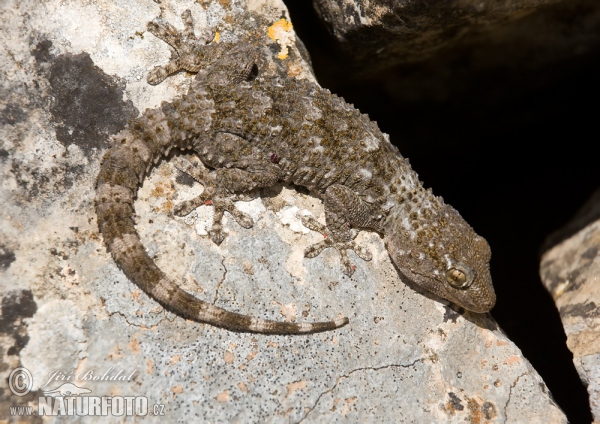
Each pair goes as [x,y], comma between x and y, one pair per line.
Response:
[570,271]
[66,306]
[402,31]
[414,30]
[423,51]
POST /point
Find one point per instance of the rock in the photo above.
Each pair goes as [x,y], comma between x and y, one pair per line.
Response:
[403,31]
[428,51]
[414,30]
[73,74]
[570,273]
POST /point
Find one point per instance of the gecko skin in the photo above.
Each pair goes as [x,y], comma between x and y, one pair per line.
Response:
[253,131]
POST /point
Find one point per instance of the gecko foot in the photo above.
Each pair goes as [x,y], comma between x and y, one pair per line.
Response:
[340,245]
[187,47]
[221,199]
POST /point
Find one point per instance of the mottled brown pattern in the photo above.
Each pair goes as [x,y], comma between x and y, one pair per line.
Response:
[254,131]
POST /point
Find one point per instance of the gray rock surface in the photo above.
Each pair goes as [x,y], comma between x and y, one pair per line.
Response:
[73,73]
[570,272]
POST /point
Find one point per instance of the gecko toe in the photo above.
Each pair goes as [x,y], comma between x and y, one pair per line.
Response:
[347,267]
[187,206]
[315,250]
[156,76]
[184,208]
[361,251]
[241,218]
[312,224]
[217,235]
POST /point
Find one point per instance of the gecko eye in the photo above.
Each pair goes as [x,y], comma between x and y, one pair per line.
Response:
[459,276]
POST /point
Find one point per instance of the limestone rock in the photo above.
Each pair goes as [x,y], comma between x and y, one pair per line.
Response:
[73,73]
[570,273]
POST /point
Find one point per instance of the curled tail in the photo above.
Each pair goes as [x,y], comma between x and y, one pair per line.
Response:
[122,170]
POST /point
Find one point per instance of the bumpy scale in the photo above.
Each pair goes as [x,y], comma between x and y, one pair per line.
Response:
[252,132]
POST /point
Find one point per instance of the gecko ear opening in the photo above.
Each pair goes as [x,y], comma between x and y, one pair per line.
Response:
[252,74]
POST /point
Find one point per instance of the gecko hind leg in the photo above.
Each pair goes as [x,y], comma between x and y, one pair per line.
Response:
[343,209]
[222,187]
[219,198]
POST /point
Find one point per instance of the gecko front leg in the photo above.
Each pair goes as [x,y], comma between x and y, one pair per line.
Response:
[225,63]
[343,210]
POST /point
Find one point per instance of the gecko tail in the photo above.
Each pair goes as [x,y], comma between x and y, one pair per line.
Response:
[198,310]
[130,254]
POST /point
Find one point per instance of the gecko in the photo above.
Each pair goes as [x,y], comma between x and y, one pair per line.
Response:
[252,131]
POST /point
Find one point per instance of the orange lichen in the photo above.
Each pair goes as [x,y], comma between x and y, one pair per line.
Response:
[282,32]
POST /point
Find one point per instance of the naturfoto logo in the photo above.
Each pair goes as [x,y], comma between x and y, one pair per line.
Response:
[70,399]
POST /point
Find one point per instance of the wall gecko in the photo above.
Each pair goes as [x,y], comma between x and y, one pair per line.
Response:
[252,131]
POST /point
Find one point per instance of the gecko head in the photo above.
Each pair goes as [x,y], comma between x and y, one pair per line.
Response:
[436,249]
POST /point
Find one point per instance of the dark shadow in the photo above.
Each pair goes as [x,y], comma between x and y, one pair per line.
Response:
[588,213]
